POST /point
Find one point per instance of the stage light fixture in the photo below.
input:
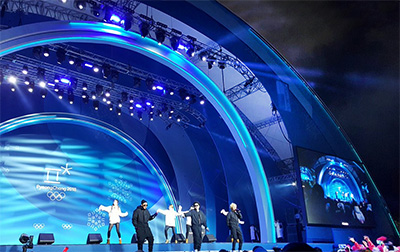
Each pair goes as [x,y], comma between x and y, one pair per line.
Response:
[107,13]
[151,117]
[31,86]
[60,93]
[114,75]
[71,96]
[65,81]
[107,93]
[203,56]
[96,104]
[190,49]
[40,73]
[80,4]
[183,94]
[221,65]
[106,71]
[108,102]
[202,101]
[138,105]
[84,86]
[71,60]
[169,115]
[36,51]
[119,103]
[95,10]
[46,52]
[26,80]
[99,90]
[127,22]
[110,106]
[178,118]
[56,88]
[118,110]
[131,99]
[96,69]
[104,99]
[149,83]
[43,92]
[144,28]
[160,36]
[115,19]
[63,1]
[140,115]
[84,95]
[159,113]
[42,84]
[136,82]
[131,112]
[93,95]
[174,42]
[170,91]
[12,79]
[78,64]
[60,53]
[25,69]
[56,78]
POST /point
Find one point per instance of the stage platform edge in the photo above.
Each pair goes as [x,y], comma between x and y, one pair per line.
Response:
[128,247]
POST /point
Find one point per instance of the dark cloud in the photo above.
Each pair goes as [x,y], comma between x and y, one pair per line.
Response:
[349,52]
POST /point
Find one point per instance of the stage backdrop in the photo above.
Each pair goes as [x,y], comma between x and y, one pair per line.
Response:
[54,176]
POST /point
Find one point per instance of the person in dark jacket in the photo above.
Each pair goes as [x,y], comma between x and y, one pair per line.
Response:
[140,218]
[232,220]
[198,220]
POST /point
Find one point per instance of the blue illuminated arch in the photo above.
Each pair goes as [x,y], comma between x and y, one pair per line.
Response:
[27,36]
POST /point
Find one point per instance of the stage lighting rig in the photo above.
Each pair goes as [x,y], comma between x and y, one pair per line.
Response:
[80,4]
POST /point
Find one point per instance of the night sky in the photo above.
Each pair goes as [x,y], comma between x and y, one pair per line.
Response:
[349,53]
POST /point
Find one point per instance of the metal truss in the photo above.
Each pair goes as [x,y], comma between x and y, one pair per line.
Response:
[123,68]
[260,138]
[281,179]
[244,89]
[268,122]
[13,64]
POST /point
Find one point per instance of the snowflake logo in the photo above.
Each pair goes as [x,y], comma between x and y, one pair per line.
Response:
[120,189]
[96,219]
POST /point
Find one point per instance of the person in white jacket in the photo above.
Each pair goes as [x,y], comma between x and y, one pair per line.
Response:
[114,213]
[170,217]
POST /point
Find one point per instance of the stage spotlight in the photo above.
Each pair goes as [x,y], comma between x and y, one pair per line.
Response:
[203,56]
[110,106]
[119,104]
[42,84]
[31,86]
[80,4]
[131,99]
[56,78]
[99,90]
[127,22]
[140,115]
[149,83]
[169,115]
[60,93]
[40,73]
[151,117]
[131,112]
[106,71]
[160,36]
[71,96]
[46,52]
[26,80]
[56,88]
[36,51]
[190,51]
[159,113]
[64,1]
[221,65]
[96,69]
[144,28]
[202,101]
[71,60]
[174,41]
[178,118]
[118,110]
[12,79]
[136,82]
[95,10]
[211,61]
[170,91]
[138,105]
[93,95]
[115,19]
[107,93]
[25,69]
[84,86]
[96,104]
[60,53]
[43,92]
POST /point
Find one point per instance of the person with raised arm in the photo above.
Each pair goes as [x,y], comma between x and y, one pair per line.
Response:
[114,213]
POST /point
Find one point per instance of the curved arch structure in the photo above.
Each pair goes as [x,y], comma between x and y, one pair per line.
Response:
[27,36]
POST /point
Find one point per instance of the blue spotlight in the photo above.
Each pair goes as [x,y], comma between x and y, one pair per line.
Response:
[115,19]
[65,81]
[138,105]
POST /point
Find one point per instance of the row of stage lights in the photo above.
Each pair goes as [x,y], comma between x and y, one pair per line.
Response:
[108,73]
[177,42]
[99,94]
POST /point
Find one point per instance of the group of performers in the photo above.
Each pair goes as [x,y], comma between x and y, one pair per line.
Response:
[195,220]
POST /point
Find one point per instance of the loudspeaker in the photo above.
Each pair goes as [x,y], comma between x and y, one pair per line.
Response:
[134,238]
[94,239]
[180,238]
[45,239]
[209,238]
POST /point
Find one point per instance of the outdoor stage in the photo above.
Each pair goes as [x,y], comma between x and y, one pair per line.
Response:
[157,247]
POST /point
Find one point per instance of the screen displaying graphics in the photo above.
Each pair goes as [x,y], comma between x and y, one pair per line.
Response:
[54,177]
[336,191]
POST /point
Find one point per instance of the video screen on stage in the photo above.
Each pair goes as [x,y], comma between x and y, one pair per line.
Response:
[54,177]
[337,192]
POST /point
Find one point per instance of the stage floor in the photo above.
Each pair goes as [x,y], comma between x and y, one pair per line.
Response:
[181,247]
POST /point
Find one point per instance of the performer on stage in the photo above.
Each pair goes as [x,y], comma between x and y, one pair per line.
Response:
[141,217]
[198,220]
[114,213]
[170,216]
[233,220]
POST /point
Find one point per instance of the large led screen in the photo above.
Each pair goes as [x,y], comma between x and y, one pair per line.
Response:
[54,177]
[336,191]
